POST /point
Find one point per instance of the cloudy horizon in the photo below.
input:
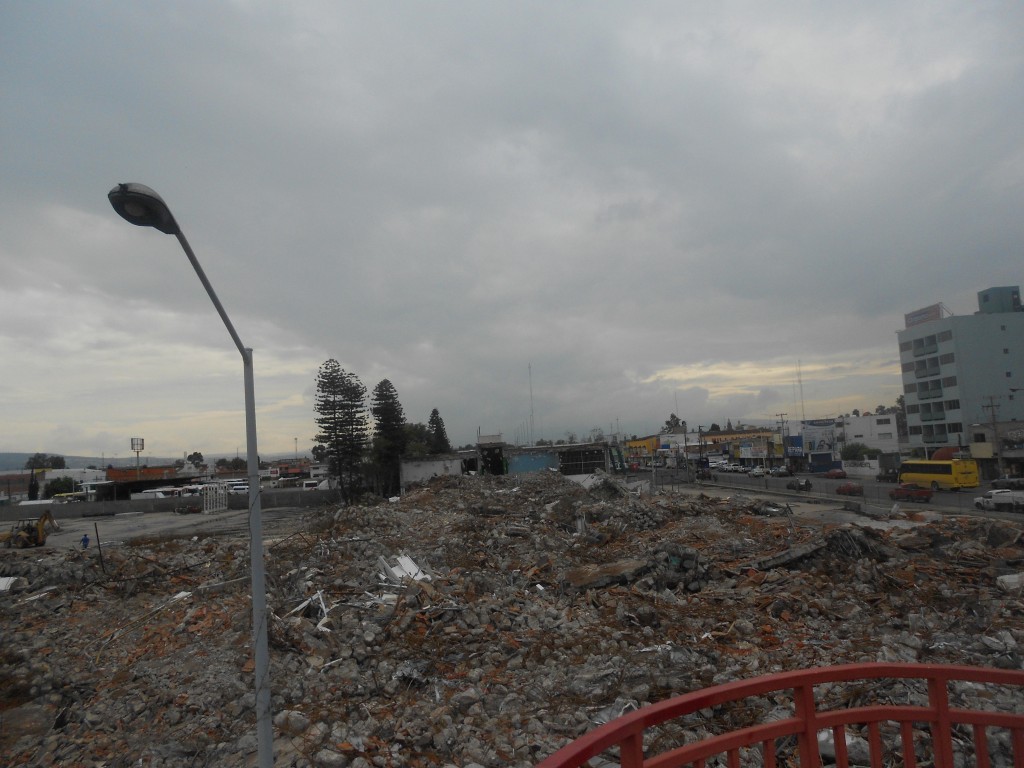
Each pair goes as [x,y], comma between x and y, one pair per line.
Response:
[576,217]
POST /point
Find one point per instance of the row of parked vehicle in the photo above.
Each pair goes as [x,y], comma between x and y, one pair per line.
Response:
[755,471]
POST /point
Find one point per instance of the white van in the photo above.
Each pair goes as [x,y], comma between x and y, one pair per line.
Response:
[310,485]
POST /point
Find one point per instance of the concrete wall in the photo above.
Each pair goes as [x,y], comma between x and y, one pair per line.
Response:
[420,470]
[271,498]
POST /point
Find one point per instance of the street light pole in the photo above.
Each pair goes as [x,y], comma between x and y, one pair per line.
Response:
[140,205]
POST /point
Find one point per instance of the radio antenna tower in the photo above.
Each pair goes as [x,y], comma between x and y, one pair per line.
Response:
[529,368]
[800,381]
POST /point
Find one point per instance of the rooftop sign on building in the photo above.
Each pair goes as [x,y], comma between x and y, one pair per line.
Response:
[924,315]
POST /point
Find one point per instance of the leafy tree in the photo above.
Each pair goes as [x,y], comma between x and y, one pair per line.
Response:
[715,428]
[58,485]
[195,459]
[388,436]
[853,451]
[42,461]
[179,464]
[900,412]
[438,435]
[672,424]
[236,464]
[417,441]
[340,405]
[858,452]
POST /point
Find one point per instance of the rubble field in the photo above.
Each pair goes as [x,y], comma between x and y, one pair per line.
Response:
[482,621]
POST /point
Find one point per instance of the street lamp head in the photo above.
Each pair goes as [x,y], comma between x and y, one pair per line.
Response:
[143,207]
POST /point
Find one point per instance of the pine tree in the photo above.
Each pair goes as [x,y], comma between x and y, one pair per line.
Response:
[438,436]
[341,418]
[389,436]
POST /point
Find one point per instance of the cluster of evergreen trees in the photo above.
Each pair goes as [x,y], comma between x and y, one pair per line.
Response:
[364,455]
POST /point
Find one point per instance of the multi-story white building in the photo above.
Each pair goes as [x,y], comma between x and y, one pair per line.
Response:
[873,430]
[961,372]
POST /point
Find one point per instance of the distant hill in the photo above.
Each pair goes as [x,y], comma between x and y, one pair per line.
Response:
[14,461]
[10,462]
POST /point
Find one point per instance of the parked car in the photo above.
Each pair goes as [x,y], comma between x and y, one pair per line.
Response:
[911,492]
[1001,499]
[835,474]
[799,485]
[756,472]
[780,472]
[850,489]
[239,488]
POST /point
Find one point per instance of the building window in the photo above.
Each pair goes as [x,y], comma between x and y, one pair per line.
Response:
[907,367]
[949,381]
[915,430]
[952,405]
[909,389]
[880,422]
[1009,375]
[946,359]
[913,408]
[906,346]
[945,336]
[954,427]
[885,435]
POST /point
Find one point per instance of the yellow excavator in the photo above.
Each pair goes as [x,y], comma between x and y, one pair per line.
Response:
[29,533]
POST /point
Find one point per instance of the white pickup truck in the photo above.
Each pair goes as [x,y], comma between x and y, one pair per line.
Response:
[1001,499]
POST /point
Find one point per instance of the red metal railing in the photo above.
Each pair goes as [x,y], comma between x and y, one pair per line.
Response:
[933,722]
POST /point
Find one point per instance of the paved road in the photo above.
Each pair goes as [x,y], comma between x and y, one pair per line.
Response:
[875,495]
[279,521]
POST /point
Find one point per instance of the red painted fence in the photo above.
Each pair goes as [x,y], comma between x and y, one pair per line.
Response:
[925,728]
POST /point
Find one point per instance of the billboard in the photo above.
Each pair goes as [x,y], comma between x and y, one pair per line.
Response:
[794,446]
[923,315]
[819,436]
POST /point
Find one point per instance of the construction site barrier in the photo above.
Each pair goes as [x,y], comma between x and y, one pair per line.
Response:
[923,729]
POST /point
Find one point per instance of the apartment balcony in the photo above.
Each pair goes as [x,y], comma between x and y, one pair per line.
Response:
[929,394]
[940,438]
[926,349]
[921,373]
[932,415]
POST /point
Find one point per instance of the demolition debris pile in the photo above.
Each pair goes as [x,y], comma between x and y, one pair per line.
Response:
[477,620]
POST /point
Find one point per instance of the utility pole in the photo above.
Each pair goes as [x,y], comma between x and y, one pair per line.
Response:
[993,411]
[782,433]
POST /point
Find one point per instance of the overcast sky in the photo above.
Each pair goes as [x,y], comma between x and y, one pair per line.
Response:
[721,210]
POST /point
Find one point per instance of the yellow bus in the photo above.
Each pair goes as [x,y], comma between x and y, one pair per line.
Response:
[948,475]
